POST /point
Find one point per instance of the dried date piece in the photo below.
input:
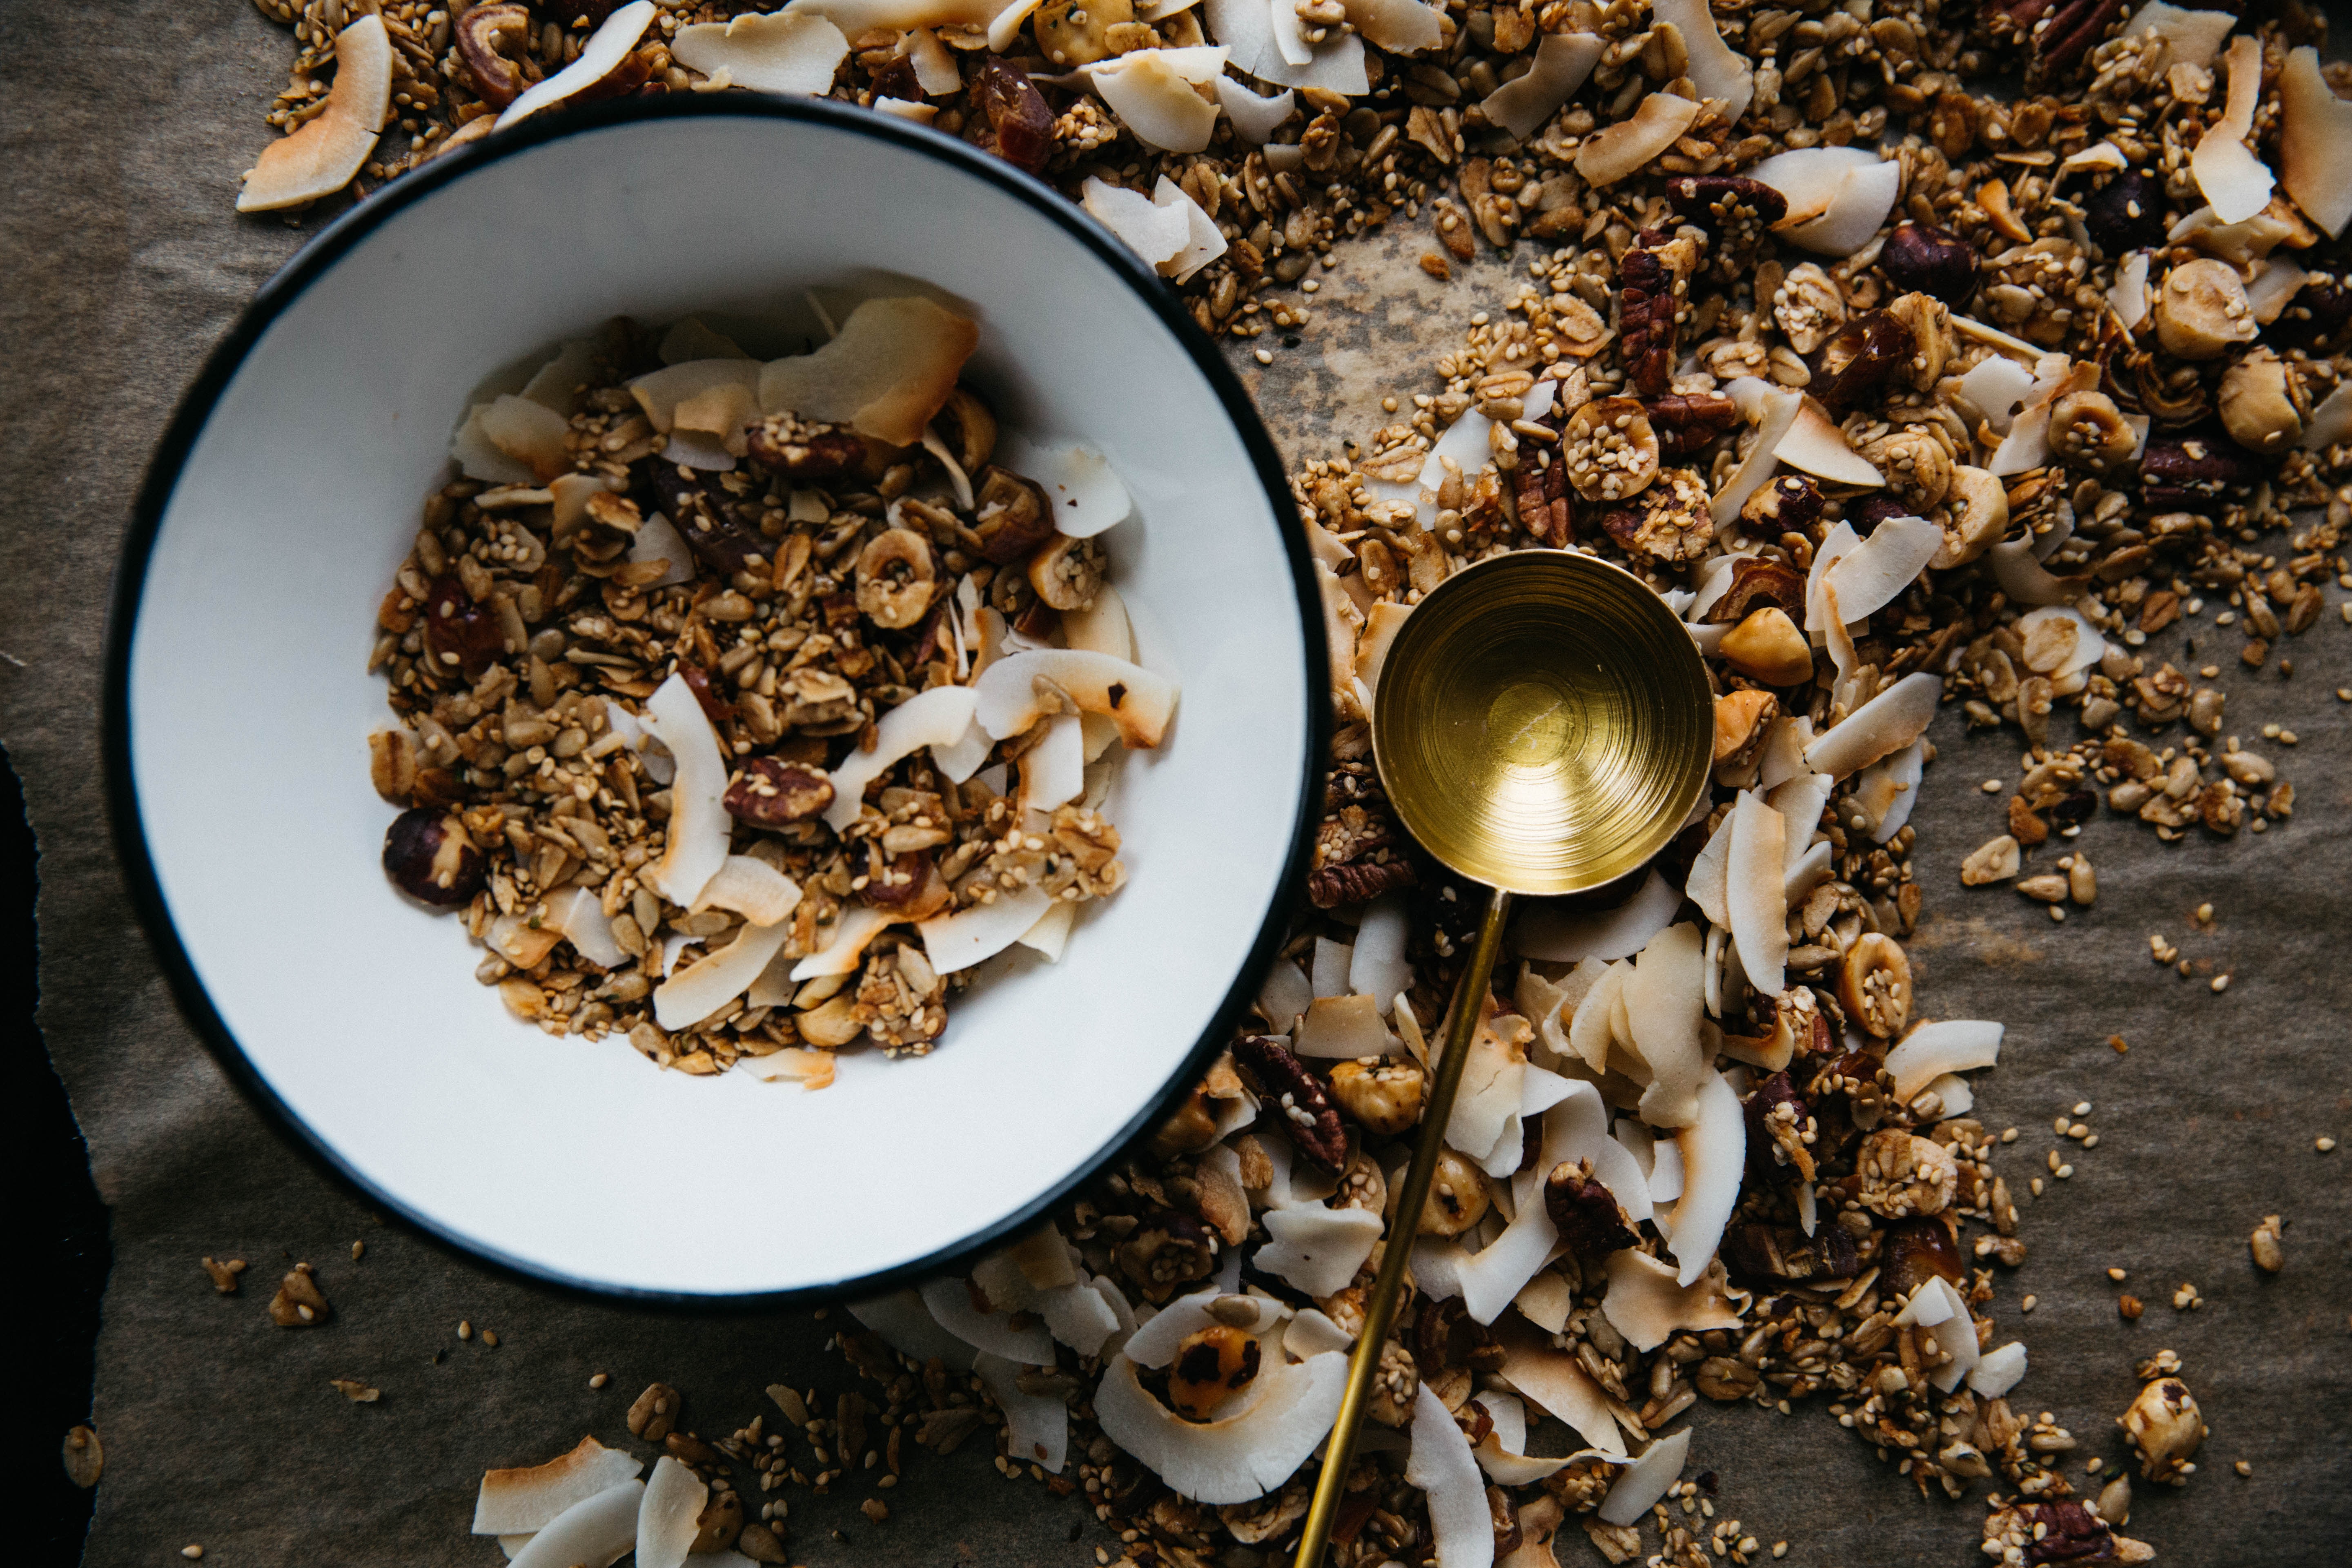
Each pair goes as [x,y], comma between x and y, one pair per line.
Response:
[2315,320]
[1585,1212]
[1645,316]
[1445,1336]
[1778,1122]
[1861,356]
[1915,1249]
[2190,471]
[712,526]
[805,448]
[767,792]
[2067,1531]
[2126,214]
[461,635]
[1783,1254]
[1688,422]
[493,41]
[1016,112]
[1924,258]
[1307,1112]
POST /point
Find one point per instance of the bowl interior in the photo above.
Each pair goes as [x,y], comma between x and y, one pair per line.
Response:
[248,706]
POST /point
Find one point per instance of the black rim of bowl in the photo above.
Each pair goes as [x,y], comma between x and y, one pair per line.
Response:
[318,257]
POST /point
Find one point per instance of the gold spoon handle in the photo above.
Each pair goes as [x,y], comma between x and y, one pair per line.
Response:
[1380,1312]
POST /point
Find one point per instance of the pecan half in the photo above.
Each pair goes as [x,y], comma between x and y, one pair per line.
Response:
[2067,1531]
[1016,112]
[1688,422]
[1542,494]
[1308,1115]
[1585,1212]
[767,792]
[1645,316]
[2189,472]
[1357,882]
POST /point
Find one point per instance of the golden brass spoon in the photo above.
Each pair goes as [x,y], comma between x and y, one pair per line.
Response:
[1543,726]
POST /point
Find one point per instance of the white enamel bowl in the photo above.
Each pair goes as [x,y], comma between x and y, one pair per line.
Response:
[287,490]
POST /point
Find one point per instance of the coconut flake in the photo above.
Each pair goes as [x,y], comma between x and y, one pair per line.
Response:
[1955,1046]
[1998,1370]
[1886,724]
[2191,36]
[1400,26]
[1203,241]
[2021,575]
[951,1305]
[1340,1029]
[1558,1381]
[1875,572]
[1155,100]
[2331,422]
[523,1500]
[658,540]
[1865,197]
[2315,141]
[1888,789]
[940,717]
[1645,1480]
[1492,1082]
[593,1532]
[1138,701]
[1085,491]
[750,888]
[1156,233]
[710,983]
[1285,996]
[1563,61]
[1036,1425]
[2236,183]
[1328,971]
[1588,1029]
[557,382]
[1155,1343]
[1051,935]
[1443,1468]
[669,1514]
[479,459]
[663,393]
[1253,119]
[1555,932]
[907,1327]
[1243,1455]
[2060,641]
[1052,771]
[1706,883]
[959,940]
[2273,288]
[1245,27]
[700,828]
[1318,1249]
[1754,892]
[1645,1302]
[579,915]
[1714,1151]
[1775,412]
[1723,78]
[844,950]
[600,54]
[319,158]
[528,433]
[1665,1000]
[1625,147]
[1799,801]
[1815,444]
[793,52]
[1995,387]
[885,374]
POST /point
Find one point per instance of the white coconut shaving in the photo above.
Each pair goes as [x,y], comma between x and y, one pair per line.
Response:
[530,1499]
[1774,412]
[1141,702]
[2234,182]
[1664,1002]
[1285,996]
[711,982]
[1239,1458]
[750,888]
[844,950]
[1556,933]
[1245,27]
[1036,1425]
[907,1327]
[1555,1380]
[1726,79]
[793,52]
[1378,968]
[1646,1302]
[700,828]
[1342,1028]
[940,717]
[669,1514]
[1318,1249]
[2315,141]
[1888,789]
[1880,727]
[1874,572]
[1448,1473]
[593,1532]
[1998,1370]
[1954,1046]
[959,940]
[1755,892]
[600,53]
[951,1305]
[1563,61]
[1714,1150]
[1645,1480]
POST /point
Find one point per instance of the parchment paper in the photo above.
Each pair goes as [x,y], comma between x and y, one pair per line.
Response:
[125,129]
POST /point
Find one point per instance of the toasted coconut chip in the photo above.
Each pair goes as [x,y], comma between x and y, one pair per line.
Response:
[1318,1249]
[1998,1370]
[1665,1000]
[1156,1342]
[907,1327]
[951,1305]
[1086,493]
[1492,1082]
[1877,572]
[1051,934]
[1755,881]
[710,983]
[1725,77]
[1080,1317]
[936,71]
[1140,701]
[700,828]
[1888,789]
[525,1499]
[1328,970]
[1437,1267]
[669,1515]
[1815,444]
[2315,141]
[905,109]
[1498,1453]
[603,52]
[2236,183]
[662,393]
[2129,296]
[1204,241]
[1045,1260]
[1546,1300]
[593,1532]
[1645,1480]
[1285,996]
[693,449]
[2060,641]
[888,372]
[1245,27]
[855,928]
[787,52]
[1783,756]
[1400,26]
[1341,1028]
[1443,1468]
[1714,1151]
[940,717]
[812,1070]
[1155,99]
[1588,1027]
[752,888]
[1665,1176]
[1707,884]
[579,914]
[962,757]
[1836,545]
[717,414]
[2022,576]
[478,458]
[1800,801]
[1810,178]
[1558,1381]
[959,940]
[557,382]
[1953,1095]
[1645,1302]
[519,940]
[1491,1277]
[1102,627]
[656,540]
[1237,1458]
[1956,1045]
[1552,933]
[1156,233]
[1562,62]
[1310,1333]
[1775,412]
[320,158]
[1995,387]
[1626,147]
[2273,288]
[1859,210]
[1054,771]
[1036,1425]
[1577,1129]
[1253,119]
[2193,37]
[1880,727]
[1937,1305]
[689,338]
[529,433]
[2331,422]
[1378,968]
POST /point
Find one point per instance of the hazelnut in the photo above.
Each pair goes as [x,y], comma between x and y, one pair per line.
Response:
[1768,647]
[896,578]
[2087,428]
[2164,1425]
[428,857]
[2125,214]
[1074,32]
[1211,1364]
[1974,516]
[1741,719]
[2263,403]
[1585,1212]
[1385,1098]
[1930,260]
[1875,984]
[1012,516]
[2201,310]
[1810,306]
[1457,1196]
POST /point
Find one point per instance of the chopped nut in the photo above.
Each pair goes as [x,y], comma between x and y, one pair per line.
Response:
[2165,1426]
[654,1412]
[2265,1243]
[298,1304]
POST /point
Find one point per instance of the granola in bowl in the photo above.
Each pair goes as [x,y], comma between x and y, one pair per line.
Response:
[745,708]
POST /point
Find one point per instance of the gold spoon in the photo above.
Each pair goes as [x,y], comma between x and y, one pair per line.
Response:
[1543,726]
